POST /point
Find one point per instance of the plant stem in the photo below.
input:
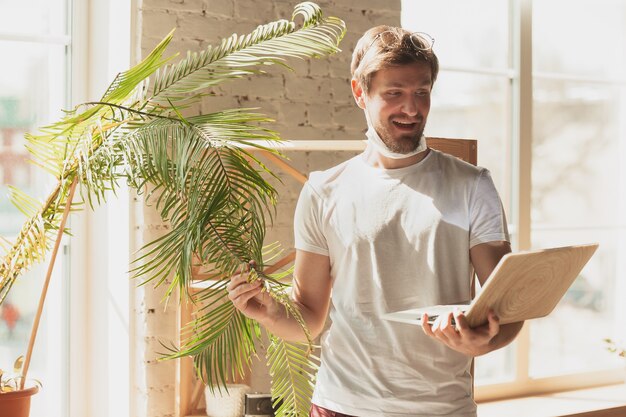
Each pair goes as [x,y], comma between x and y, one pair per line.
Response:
[44,290]
[128,109]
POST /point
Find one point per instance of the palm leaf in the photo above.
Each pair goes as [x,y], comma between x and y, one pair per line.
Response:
[231,340]
[293,370]
[208,193]
[238,56]
[24,203]
[30,247]
[125,84]
[63,144]
[35,237]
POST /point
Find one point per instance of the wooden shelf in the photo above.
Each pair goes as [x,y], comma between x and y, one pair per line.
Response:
[312,145]
[465,149]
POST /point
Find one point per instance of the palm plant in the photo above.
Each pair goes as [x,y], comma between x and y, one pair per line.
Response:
[202,178]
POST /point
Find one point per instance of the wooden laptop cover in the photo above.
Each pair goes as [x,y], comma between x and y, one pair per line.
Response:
[528,285]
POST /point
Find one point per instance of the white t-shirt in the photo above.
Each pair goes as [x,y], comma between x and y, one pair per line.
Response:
[396,239]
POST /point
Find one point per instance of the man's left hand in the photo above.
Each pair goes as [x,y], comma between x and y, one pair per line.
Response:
[453,330]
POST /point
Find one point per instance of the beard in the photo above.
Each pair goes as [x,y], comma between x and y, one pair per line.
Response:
[402,143]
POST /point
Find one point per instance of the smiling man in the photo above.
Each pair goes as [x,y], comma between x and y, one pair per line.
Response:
[399,226]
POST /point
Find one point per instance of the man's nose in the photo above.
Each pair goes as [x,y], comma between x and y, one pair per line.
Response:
[409,106]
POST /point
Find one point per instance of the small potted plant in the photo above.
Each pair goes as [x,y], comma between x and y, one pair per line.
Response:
[14,399]
[202,180]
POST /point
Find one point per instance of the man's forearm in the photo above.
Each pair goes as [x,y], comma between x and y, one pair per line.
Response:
[506,335]
[283,324]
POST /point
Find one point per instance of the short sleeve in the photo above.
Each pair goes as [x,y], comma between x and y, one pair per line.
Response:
[308,225]
[487,217]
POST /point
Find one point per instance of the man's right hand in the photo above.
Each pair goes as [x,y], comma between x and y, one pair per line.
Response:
[310,294]
[250,297]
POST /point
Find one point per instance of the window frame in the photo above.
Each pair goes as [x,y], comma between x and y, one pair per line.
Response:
[101,296]
[59,286]
[517,197]
[520,200]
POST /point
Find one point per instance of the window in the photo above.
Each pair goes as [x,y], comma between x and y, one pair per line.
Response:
[579,115]
[575,94]
[48,67]
[33,89]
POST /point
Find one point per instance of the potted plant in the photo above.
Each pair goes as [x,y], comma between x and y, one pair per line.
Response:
[15,400]
[198,173]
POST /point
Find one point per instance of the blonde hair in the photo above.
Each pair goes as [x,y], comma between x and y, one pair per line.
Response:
[371,55]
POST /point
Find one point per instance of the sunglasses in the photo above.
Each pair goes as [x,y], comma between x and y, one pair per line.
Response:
[422,42]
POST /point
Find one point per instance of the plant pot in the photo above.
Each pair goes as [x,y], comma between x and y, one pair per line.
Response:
[16,403]
[225,404]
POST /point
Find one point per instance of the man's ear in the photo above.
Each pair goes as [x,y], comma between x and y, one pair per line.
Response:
[357,93]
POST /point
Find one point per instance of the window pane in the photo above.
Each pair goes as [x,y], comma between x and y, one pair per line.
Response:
[31,92]
[476,107]
[589,42]
[578,197]
[563,342]
[460,41]
[576,154]
[496,367]
[33,17]
[30,87]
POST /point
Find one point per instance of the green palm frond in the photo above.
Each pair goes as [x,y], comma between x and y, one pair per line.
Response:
[200,173]
[25,203]
[238,56]
[205,187]
[125,84]
[293,371]
[36,236]
[292,365]
[61,146]
[30,247]
[231,338]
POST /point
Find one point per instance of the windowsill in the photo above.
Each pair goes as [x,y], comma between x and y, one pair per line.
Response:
[609,401]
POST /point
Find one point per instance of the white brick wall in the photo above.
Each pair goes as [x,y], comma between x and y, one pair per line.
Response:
[313,102]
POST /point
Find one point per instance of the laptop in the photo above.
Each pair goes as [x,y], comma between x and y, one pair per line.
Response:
[523,285]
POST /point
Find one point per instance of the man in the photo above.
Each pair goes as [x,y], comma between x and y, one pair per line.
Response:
[399,226]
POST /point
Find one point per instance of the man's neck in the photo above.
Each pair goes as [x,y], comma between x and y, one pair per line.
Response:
[376,159]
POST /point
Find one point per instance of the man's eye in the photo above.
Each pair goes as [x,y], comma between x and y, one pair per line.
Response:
[393,93]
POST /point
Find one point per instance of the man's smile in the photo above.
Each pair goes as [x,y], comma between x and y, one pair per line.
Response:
[409,126]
